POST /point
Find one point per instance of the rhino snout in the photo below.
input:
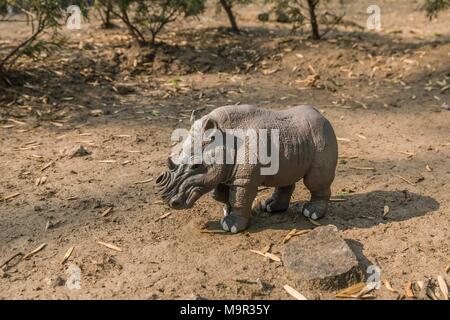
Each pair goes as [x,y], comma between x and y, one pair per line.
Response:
[175,204]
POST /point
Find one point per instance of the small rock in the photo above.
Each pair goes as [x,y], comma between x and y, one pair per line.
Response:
[4,274]
[265,16]
[322,259]
[49,225]
[422,291]
[264,286]
[124,89]
[78,151]
[59,282]
[96,112]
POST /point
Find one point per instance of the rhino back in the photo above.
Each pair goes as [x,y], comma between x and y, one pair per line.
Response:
[297,125]
[303,133]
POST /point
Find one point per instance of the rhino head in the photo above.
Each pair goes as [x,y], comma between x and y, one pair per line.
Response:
[187,177]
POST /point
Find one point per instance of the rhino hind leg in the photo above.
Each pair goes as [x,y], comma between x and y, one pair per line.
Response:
[279,201]
[319,185]
[315,209]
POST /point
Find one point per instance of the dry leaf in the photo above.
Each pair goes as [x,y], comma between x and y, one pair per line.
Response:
[366,290]
[107,211]
[400,296]
[297,295]
[409,290]
[17,121]
[385,211]
[40,181]
[212,231]
[267,72]
[110,246]
[361,136]
[294,233]
[343,139]
[163,216]
[406,180]
[272,257]
[47,165]
[267,255]
[67,255]
[363,168]
[19,254]
[122,136]
[289,235]
[107,161]
[144,181]
[314,222]
[420,284]
[351,291]
[447,268]
[337,200]
[28,255]
[258,252]
[388,286]
[11,196]
[443,287]
[56,124]
[266,248]
[409,154]
[368,296]
[429,169]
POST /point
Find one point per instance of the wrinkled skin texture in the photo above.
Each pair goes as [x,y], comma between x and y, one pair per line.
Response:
[307,150]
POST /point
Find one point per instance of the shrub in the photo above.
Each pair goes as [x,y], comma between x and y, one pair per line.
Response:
[146,18]
[432,7]
[44,17]
[298,12]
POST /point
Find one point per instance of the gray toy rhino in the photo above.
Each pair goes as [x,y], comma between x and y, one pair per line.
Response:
[307,149]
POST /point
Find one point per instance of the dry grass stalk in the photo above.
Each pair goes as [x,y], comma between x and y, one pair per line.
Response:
[163,216]
[32,253]
[67,255]
[107,211]
[110,246]
[297,295]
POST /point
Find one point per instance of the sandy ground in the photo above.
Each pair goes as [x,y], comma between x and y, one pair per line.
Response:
[382,91]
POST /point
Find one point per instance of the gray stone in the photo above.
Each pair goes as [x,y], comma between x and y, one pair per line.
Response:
[78,151]
[322,259]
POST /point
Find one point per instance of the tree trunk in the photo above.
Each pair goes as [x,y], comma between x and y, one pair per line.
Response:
[227,5]
[312,4]
[108,15]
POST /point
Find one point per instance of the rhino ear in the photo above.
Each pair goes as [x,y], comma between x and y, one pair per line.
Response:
[209,128]
[209,123]
[193,116]
[170,163]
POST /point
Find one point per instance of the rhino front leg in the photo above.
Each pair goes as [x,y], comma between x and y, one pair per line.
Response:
[222,194]
[279,201]
[240,200]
